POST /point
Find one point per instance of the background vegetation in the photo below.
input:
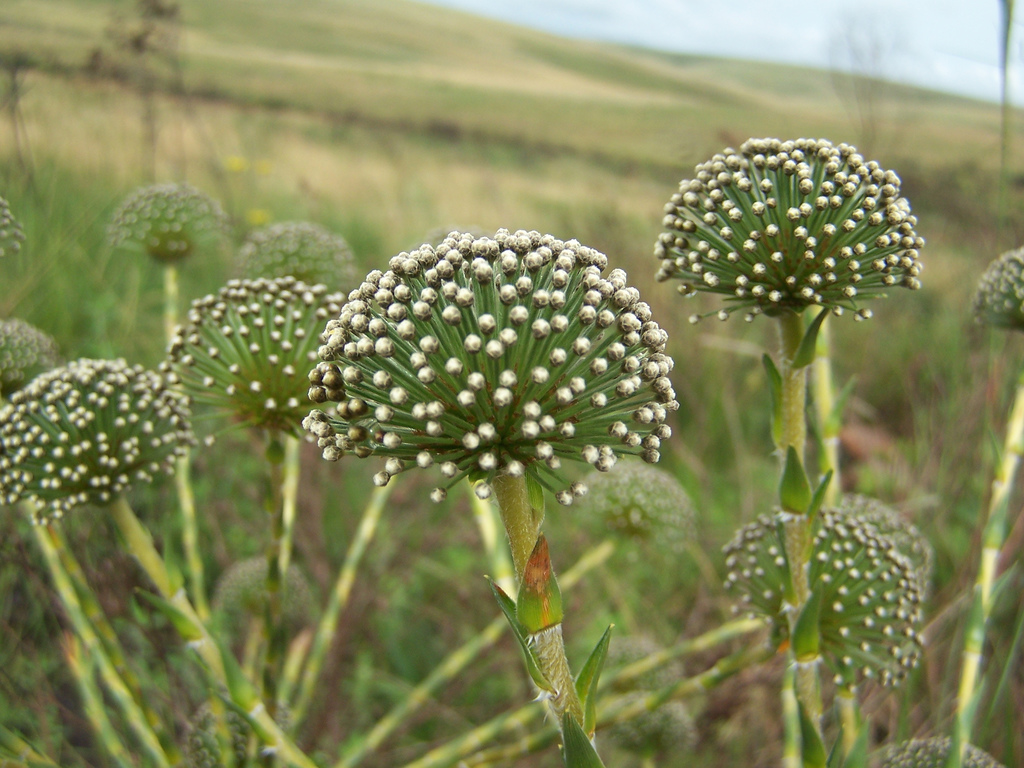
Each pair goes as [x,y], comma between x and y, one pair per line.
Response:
[385,120]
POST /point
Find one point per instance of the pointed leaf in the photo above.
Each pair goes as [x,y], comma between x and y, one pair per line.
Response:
[539,604]
[535,491]
[858,756]
[240,688]
[809,343]
[589,677]
[577,751]
[806,632]
[775,391]
[181,622]
[819,494]
[813,748]
[508,607]
[794,489]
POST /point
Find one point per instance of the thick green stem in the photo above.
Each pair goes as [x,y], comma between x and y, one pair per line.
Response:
[273,631]
[328,625]
[140,544]
[849,718]
[522,521]
[289,498]
[792,741]
[92,701]
[171,293]
[993,538]
[190,534]
[794,386]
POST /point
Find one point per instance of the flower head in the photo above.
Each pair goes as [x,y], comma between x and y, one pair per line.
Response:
[169,222]
[785,225]
[999,299]
[307,252]
[870,598]
[641,502]
[24,352]
[488,356]
[86,432]
[931,753]
[247,349]
[909,541]
[11,235]
[241,595]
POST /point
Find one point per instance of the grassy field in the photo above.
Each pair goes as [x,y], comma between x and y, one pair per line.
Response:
[385,120]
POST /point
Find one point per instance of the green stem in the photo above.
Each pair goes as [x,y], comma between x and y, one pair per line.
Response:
[824,402]
[522,521]
[792,740]
[16,748]
[140,543]
[794,386]
[97,620]
[92,701]
[455,663]
[328,625]
[289,498]
[171,294]
[49,543]
[849,718]
[993,538]
[273,630]
[190,534]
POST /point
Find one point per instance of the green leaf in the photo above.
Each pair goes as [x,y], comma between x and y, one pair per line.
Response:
[813,748]
[794,489]
[577,751]
[588,678]
[182,622]
[819,495]
[508,607]
[858,756]
[806,632]
[535,491]
[835,416]
[809,343]
[775,391]
[243,693]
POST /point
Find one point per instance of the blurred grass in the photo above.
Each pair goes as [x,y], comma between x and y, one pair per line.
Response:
[385,119]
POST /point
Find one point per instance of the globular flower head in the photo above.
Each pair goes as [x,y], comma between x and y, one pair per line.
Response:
[11,235]
[494,356]
[785,225]
[999,299]
[24,352]
[641,502]
[86,432]
[909,541]
[871,600]
[669,728]
[931,753]
[306,251]
[241,595]
[246,350]
[169,222]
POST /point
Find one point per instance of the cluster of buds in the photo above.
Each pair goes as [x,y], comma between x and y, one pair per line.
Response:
[306,251]
[240,596]
[86,432]
[25,351]
[870,598]
[11,235]
[999,299]
[169,222]
[491,356]
[785,225]
[246,350]
[932,753]
[641,502]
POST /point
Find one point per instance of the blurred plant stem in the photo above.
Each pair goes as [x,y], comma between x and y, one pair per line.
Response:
[483,514]
[273,630]
[50,544]
[456,751]
[183,469]
[336,603]
[223,669]
[829,423]
[992,539]
[92,700]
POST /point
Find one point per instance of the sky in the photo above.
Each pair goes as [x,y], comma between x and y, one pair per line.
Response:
[946,45]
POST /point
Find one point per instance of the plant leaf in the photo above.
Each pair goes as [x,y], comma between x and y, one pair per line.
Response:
[535,491]
[794,489]
[809,343]
[577,751]
[775,391]
[588,678]
[806,632]
[181,622]
[508,607]
[813,748]
[819,494]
